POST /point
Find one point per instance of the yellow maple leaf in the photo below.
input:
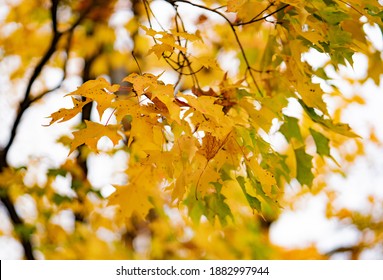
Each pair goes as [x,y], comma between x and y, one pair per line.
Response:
[141,82]
[92,133]
[160,94]
[131,199]
[164,93]
[206,105]
[65,114]
[210,146]
[100,91]
[158,49]
[265,177]
[168,40]
[312,96]
[234,5]
[188,36]
[124,108]
[206,61]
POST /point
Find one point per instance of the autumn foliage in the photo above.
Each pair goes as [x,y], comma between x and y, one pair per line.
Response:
[209,148]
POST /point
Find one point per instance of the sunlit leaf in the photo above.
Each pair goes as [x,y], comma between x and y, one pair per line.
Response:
[92,134]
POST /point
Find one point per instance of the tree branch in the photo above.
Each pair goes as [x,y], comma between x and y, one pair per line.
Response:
[16,221]
[232,26]
[24,105]
[256,19]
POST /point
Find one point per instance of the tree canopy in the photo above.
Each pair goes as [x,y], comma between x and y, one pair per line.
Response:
[212,108]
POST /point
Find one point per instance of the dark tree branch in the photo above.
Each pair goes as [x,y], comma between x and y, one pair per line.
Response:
[256,19]
[87,109]
[23,106]
[16,221]
[67,53]
[353,250]
[232,27]
[54,15]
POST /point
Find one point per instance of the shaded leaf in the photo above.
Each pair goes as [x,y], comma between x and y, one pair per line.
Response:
[254,202]
[321,143]
[340,128]
[304,166]
[290,129]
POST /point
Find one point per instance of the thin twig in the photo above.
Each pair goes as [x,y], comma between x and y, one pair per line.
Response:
[352,7]
[262,18]
[64,67]
[172,2]
[138,65]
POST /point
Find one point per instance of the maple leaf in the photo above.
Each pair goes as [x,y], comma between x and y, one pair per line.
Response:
[210,146]
[92,134]
[124,108]
[290,129]
[131,199]
[321,143]
[304,166]
[141,83]
[217,207]
[340,128]
[160,94]
[179,188]
[234,5]
[265,177]
[254,202]
[168,40]
[312,96]
[188,36]
[206,105]
[65,114]
[159,50]
[100,91]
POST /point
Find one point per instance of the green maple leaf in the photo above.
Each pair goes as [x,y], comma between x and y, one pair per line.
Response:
[304,166]
[290,129]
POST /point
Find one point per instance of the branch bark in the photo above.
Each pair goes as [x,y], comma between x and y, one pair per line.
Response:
[23,106]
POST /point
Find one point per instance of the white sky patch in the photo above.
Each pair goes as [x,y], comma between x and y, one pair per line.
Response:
[364,178]
[6,226]
[163,12]
[65,219]
[375,253]
[229,62]
[11,249]
[315,58]
[107,171]
[308,225]
[62,185]
[52,75]
[107,235]
[374,35]
[26,208]
[34,140]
